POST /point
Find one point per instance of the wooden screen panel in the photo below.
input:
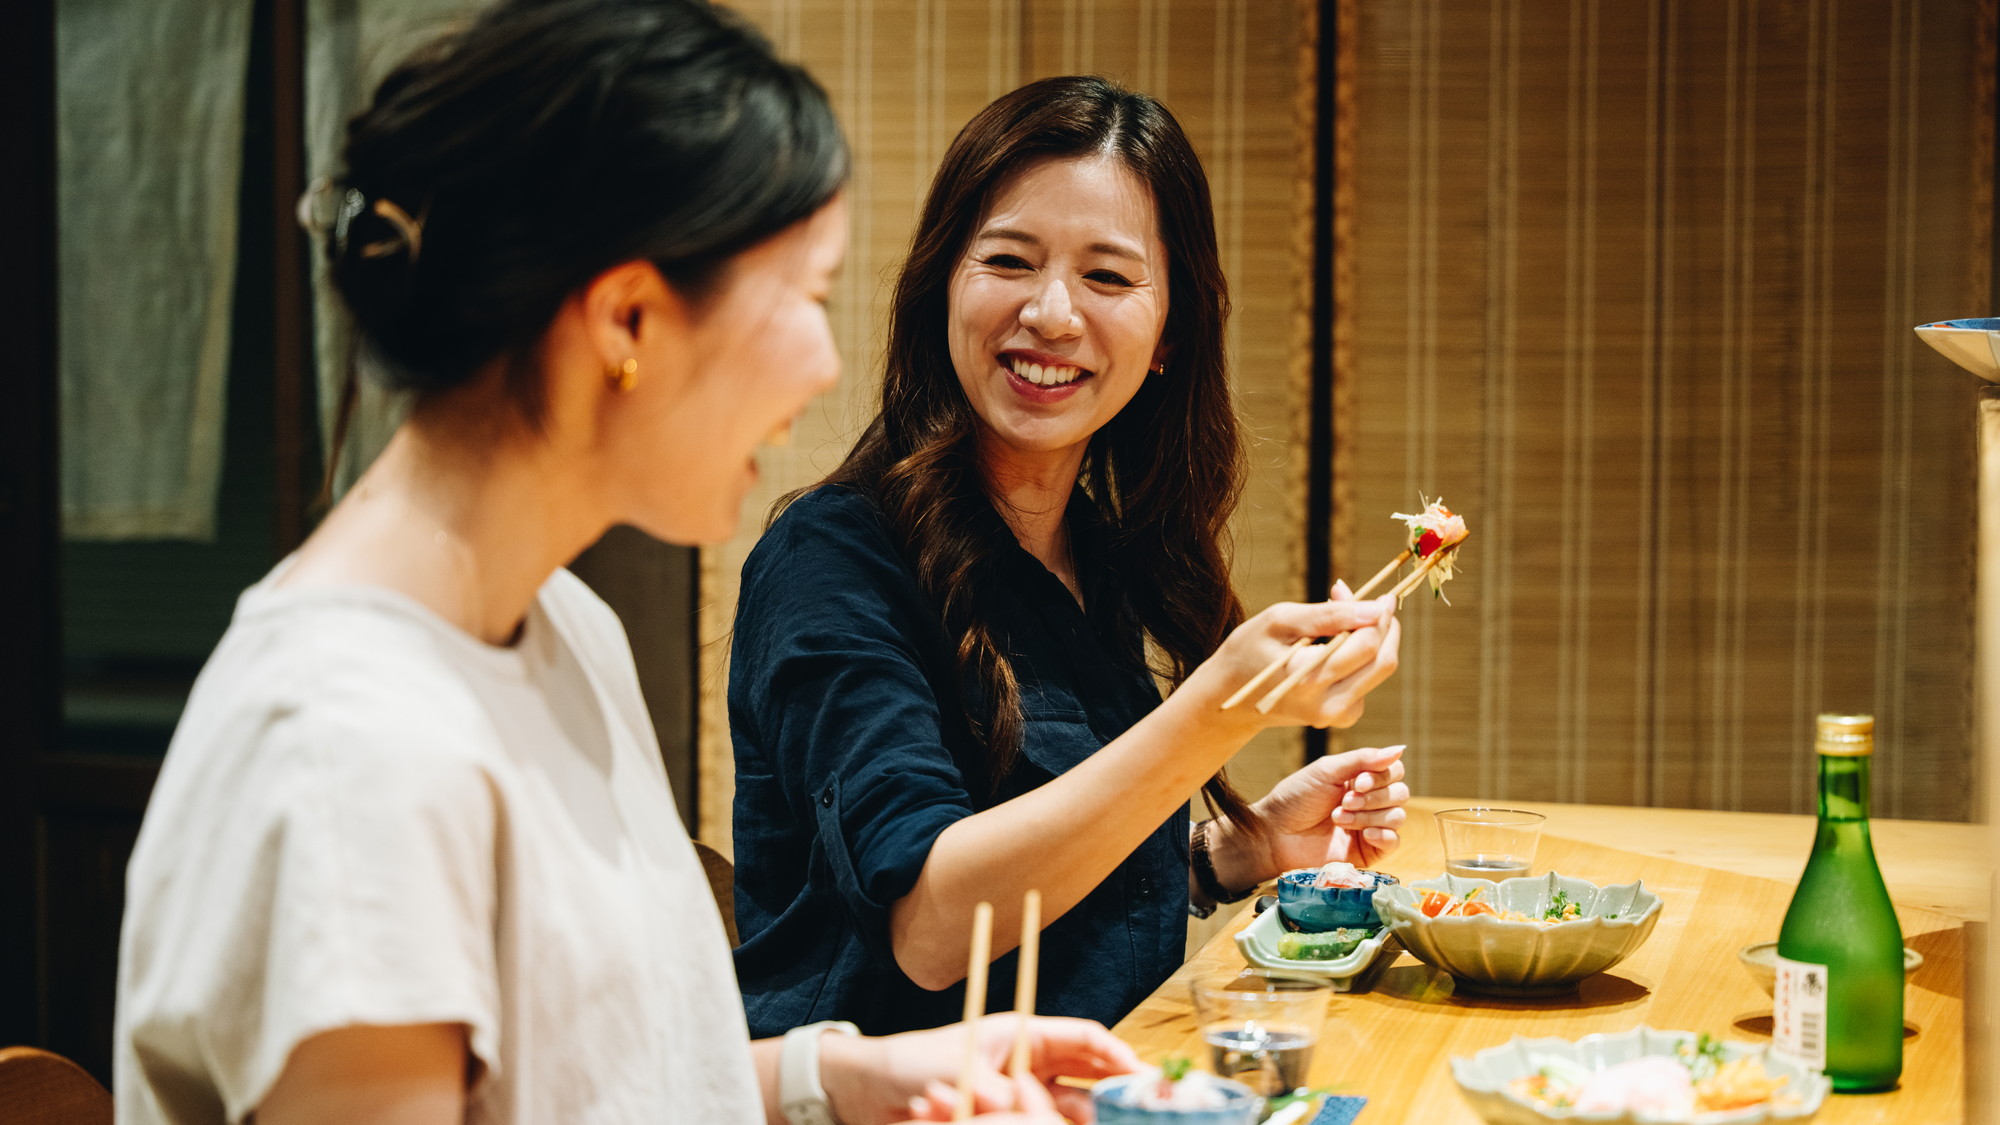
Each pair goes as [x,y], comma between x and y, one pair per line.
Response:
[1632,286]
[904,75]
[1233,74]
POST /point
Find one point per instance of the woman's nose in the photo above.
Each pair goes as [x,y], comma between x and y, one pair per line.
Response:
[1050,312]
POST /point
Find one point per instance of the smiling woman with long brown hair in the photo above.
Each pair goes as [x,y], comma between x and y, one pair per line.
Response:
[940,691]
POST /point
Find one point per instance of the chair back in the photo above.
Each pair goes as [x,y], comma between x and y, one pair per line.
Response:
[38,1087]
[721,884]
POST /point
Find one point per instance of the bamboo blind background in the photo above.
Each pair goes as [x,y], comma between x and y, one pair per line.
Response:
[904,75]
[1632,285]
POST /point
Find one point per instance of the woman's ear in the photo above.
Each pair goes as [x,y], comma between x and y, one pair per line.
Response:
[630,314]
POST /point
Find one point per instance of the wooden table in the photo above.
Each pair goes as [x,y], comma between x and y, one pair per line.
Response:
[1930,864]
[1390,1041]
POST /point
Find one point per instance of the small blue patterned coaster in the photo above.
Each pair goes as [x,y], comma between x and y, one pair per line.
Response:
[1339,1109]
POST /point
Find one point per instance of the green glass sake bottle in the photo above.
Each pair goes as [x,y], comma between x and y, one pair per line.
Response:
[1839,998]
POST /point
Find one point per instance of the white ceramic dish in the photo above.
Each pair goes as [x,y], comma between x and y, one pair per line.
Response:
[1258,942]
[1760,960]
[1484,1077]
[1488,954]
[1972,344]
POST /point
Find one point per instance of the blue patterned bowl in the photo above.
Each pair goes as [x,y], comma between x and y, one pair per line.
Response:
[1116,1104]
[1318,909]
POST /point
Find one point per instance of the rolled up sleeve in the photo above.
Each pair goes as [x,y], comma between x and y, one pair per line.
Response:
[834,689]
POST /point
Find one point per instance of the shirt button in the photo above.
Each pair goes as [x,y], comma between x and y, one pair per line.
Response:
[826,798]
[1145,888]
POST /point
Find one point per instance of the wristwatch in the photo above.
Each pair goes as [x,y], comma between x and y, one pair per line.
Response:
[1204,874]
[800,1095]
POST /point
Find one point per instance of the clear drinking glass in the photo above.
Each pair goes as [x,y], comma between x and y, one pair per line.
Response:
[1482,843]
[1261,1027]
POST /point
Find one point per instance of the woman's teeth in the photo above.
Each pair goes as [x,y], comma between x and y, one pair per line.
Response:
[1045,376]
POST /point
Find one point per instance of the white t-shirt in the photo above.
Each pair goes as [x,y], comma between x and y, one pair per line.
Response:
[369,817]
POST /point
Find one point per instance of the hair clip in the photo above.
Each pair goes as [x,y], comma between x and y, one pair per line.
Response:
[411,230]
[314,208]
[318,214]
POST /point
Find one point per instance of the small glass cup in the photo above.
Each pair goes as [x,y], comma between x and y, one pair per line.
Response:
[1491,844]
[1261,1027]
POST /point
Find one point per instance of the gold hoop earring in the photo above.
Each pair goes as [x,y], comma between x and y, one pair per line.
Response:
[622,376]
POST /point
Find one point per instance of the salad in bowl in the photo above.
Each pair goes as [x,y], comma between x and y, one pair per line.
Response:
[1642,1075]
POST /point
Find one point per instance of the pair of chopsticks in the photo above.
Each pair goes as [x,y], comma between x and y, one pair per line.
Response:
[1333,643]
[975,992]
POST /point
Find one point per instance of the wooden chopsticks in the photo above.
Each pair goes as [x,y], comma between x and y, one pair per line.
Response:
[975,993]
[1333,643]
[1271,669]
[975,1004]
[1024,979]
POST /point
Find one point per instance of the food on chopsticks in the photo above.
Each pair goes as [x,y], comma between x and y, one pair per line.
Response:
[1435,536]
[1698,1078]
[1436,530]
[1329,946]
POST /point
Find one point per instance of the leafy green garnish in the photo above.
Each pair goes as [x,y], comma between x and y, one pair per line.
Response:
[1302,1094]
[1609,917]
[1176,1068]
[1557,904]
[1702,1055]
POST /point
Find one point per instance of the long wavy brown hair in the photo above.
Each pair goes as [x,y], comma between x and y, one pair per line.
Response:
[1164,473]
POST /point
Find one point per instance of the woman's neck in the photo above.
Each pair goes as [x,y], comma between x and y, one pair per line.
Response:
[1032,495]
[464,511]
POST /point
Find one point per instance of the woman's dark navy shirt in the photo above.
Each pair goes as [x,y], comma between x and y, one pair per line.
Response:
[853,753]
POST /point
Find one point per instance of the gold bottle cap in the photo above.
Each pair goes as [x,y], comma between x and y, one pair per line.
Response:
[1846,736]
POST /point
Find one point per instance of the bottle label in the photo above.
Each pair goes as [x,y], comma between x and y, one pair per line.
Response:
[1798,1012]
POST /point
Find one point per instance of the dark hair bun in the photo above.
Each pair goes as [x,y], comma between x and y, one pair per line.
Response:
[548,141]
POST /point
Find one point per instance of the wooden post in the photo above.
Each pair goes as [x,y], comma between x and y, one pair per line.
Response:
[292,423]
[1983,956]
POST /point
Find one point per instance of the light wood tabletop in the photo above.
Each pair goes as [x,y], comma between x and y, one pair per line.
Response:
[1935,865]
[1390,1040]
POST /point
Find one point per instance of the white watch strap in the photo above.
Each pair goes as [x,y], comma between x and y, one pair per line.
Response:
[800,1095]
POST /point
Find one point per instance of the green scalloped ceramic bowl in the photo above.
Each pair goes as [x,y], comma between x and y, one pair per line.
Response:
[1488,954]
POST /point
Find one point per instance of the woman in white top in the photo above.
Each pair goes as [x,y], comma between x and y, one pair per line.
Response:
[412,856]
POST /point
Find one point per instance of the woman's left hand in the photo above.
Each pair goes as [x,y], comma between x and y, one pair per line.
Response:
[1343,807]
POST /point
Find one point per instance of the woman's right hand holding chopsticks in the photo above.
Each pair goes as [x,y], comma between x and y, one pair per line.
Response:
[1332,686]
